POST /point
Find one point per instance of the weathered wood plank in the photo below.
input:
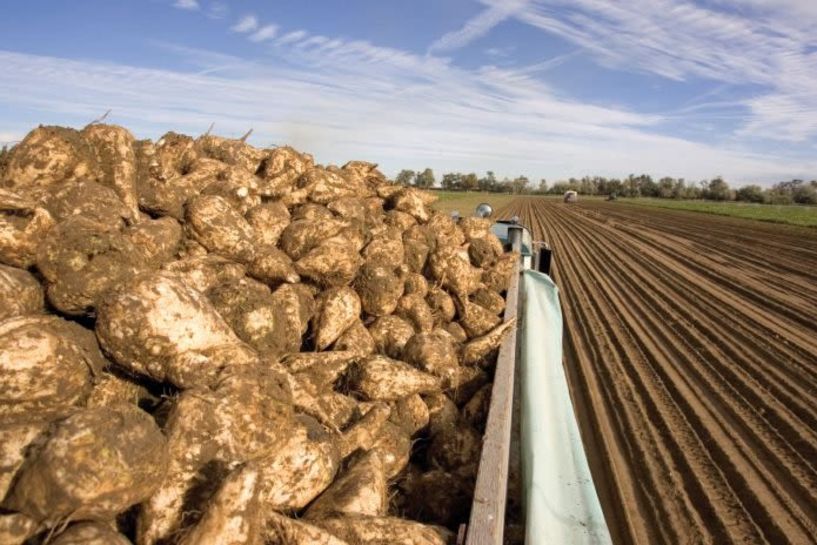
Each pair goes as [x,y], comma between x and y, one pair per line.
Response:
[487,522]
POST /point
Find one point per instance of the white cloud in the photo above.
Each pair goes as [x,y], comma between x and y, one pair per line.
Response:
[292,37]
[359,100]
[217,10]
[267,32]
[765,43]
[248,23]
[479,25]
[191,5]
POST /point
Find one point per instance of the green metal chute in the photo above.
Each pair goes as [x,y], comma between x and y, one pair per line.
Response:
[561,504]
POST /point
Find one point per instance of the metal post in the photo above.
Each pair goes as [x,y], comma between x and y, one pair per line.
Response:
[515,237]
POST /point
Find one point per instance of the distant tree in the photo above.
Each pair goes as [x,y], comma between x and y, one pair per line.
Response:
[665,188]
[805,193]
[451,181]
[406,177]
[750,193]
[425,179]
[488,182]
[519,184]
[718,190]
[469,182]
[543,186]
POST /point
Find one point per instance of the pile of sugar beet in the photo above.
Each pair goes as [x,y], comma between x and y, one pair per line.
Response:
[202,342]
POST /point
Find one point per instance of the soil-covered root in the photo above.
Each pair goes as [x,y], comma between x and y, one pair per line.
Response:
[166,196]
[192,429]
[356,339]
[363,433]
[95,464]
[401,220]
[216,225]
[489,299]
[15,440]
[349,208]
[155,325]
[475,319]
[454,447]
[324,186]
[90,200]
[434,353]
[238,187]
[339,408]
[335,361]
[303,467]
[410,413]
[297,306]
[381,378]
[442,305]
[379,287]
[302,235]
[249,308]
[338,309]
[20,293]
[415,310]
[359,490]
[279,170]
[230,151]
[473,227]
[48,156]
[233,516]
[483,253]
[415,284]
[390,334]
[268,221]
[413,202]
[205,272]
[273,267]
[16,528]
[334,262]
[46,366]
[111,388]
[439,497]
[475,411]
[364,530]
[386,246]
[442,413]
[445,230]
[82,260]
[498,276]
[394,445]
[478,351]
[282,530]
[157,240]
[456,331]
[453,270]
[418,242]
[465,383]
[23,227]
[90,533]
[113,147]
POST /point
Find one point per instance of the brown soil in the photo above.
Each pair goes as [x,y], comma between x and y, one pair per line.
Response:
[691,349]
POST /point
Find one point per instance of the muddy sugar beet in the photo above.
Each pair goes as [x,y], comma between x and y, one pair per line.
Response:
[206,342]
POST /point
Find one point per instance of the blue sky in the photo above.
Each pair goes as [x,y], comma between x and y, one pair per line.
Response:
[545,88]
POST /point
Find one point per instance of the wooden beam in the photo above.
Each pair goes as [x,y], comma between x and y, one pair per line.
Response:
[486,525]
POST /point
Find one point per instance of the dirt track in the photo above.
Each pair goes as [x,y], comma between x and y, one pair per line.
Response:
[691,346]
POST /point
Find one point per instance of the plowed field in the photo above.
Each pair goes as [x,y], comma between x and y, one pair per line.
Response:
[691,346]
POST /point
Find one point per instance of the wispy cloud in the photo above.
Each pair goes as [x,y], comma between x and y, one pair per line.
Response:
[479,25]
[359,100]
[292,37]
[248,23]
[265,33]
[217,10]
[191,5]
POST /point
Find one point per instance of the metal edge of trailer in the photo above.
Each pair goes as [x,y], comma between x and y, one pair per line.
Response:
[486,525]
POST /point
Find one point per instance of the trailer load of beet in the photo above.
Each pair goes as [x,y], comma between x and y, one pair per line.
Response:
[205,342]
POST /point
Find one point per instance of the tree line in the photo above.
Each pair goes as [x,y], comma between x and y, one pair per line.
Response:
[716,189]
